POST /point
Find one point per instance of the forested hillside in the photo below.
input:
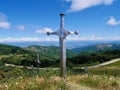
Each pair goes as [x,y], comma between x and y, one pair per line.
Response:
[50,51]
[19,56]
[9,49]
[49,55]
[96,57]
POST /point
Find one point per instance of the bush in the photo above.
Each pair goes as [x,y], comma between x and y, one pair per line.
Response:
[17,72]
[2,74]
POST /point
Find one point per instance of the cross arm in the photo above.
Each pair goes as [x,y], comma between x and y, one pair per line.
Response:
[52,33]
[70,32]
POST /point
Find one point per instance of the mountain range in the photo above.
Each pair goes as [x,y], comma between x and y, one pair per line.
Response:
[96,48]
[69,44]
[53,51]
[49,55]
[50,51]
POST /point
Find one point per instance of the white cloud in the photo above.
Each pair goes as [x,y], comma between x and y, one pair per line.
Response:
[79,5]
[4,24]
[92,38]
[21,27]
[26,39]
[33,26]
[112,21]
[43,30]
[49,39]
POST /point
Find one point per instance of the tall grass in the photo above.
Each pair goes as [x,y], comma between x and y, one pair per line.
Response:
[108,71]
[38,83]
[73,82]
[97,81]
[102,78]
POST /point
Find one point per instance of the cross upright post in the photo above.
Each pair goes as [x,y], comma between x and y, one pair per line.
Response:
[62,33]
[62,45]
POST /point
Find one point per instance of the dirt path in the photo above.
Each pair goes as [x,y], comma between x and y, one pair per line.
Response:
[12,65]
[102,64]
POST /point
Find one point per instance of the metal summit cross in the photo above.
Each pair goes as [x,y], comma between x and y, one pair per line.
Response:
[62,33]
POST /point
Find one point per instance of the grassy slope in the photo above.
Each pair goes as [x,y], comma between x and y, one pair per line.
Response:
[109,70]
[116,64]
[52,83]
[75,82]
[98,79]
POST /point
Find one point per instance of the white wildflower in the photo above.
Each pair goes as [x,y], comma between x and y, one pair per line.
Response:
[16,83]
[6,86]
[21,77]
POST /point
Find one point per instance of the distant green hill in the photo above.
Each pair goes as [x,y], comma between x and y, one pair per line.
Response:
[50,51]
[95,57]
[97,48]
[9,49]
[48,55]
[20,56]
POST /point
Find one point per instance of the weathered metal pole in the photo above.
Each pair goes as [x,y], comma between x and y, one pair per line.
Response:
[62,33]
[62,47]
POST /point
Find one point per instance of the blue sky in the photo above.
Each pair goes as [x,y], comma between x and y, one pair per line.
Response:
[29,20]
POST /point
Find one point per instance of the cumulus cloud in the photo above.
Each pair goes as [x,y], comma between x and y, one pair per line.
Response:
[4,24]
[21,27]
[26,39]
[49,39]
[79,5]
[91,38]
[112,21]
[43,30]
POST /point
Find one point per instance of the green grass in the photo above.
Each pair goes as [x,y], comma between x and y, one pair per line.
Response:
[72,82]
[116,64]
[34,84]
[101,82]
[109,70]
[101,78]
[84,65]
[40,83]
[1,56]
